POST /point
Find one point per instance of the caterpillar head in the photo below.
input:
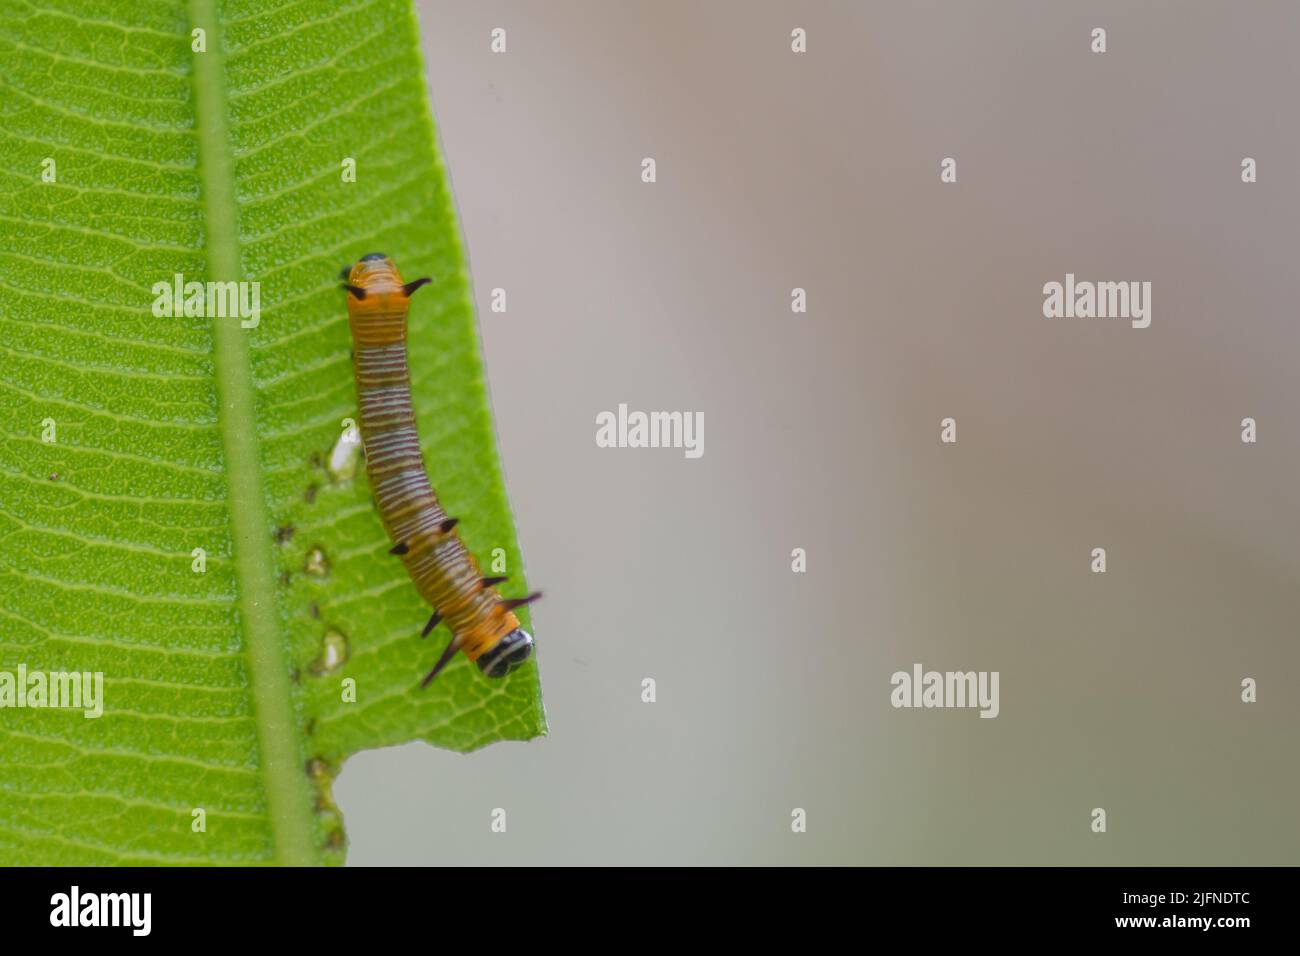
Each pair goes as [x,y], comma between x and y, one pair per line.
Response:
[376,274]
[363,273]
[509,652]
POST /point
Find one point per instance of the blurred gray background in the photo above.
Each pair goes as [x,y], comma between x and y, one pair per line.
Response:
[821,170]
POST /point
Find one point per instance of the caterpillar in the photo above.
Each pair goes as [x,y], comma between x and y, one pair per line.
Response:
[483,624]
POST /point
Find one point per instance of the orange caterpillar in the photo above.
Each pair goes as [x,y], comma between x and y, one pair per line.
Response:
[482,623]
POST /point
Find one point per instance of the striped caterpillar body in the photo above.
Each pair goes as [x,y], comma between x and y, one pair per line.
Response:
[482,623]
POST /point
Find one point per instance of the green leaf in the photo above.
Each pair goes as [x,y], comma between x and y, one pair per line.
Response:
[222,690]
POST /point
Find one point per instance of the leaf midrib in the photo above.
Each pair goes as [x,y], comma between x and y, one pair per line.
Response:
[287,791]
